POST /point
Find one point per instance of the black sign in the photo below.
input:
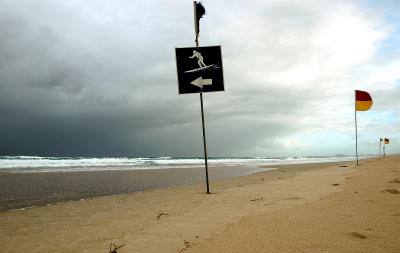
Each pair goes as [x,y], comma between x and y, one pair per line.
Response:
[199,69]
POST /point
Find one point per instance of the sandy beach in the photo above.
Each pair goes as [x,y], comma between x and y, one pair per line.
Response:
[334,207]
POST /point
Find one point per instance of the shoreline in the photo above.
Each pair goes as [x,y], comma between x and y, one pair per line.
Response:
[26,190]
[36,189]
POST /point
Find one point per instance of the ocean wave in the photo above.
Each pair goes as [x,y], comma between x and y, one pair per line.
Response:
[53,164]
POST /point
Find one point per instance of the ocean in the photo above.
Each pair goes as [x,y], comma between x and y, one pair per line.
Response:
[29,164]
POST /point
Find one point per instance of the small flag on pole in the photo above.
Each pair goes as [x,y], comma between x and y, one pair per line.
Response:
[199,11]
[363,101]
[380,139]
[387,141]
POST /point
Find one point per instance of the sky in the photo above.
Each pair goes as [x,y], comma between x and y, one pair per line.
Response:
[98,78]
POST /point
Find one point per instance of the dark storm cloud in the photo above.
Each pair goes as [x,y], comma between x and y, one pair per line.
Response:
[31,66]
[50,104]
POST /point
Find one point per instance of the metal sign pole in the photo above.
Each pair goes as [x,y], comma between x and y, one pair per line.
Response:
[204,140]
[201,105]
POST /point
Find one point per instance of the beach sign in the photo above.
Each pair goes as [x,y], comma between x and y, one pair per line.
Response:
[199,69]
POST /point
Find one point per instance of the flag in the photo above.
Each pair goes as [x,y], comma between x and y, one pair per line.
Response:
[363,100]
[386,141]
[380,139]
[199,11]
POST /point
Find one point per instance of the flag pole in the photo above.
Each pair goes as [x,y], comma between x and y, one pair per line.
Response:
[201,100]
[384,152]
[355,123]
[380,144]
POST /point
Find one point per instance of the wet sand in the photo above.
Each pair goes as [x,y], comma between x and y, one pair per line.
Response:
[19,190]
[308,208]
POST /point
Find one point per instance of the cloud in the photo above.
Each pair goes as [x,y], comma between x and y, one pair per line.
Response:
[99,78]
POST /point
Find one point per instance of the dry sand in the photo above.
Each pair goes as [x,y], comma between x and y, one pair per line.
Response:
[298,208]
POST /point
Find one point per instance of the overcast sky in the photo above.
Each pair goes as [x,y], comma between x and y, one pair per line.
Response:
[98,77]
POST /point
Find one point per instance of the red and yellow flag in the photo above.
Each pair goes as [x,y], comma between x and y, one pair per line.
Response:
[363,100]
[386,141]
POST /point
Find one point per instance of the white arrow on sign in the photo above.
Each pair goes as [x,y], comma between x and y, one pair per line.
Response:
[199,82]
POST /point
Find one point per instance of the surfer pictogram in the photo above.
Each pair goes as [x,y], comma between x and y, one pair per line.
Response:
[199,69]
[199,57]
[200,61]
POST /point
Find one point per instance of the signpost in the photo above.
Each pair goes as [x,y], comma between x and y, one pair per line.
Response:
[199,70]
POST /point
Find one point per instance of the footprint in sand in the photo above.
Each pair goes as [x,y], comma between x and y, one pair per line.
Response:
[395,181]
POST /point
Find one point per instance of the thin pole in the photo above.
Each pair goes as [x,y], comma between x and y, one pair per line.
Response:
[201,105]
[204,139]
[380,144]
[355,122]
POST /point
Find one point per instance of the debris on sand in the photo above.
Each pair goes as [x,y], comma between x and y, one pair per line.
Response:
[358,235]
[161,214]
[115,247]
[392,191]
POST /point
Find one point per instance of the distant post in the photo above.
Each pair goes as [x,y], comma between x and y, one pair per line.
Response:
[385,141]
[380,146]
[384,153]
